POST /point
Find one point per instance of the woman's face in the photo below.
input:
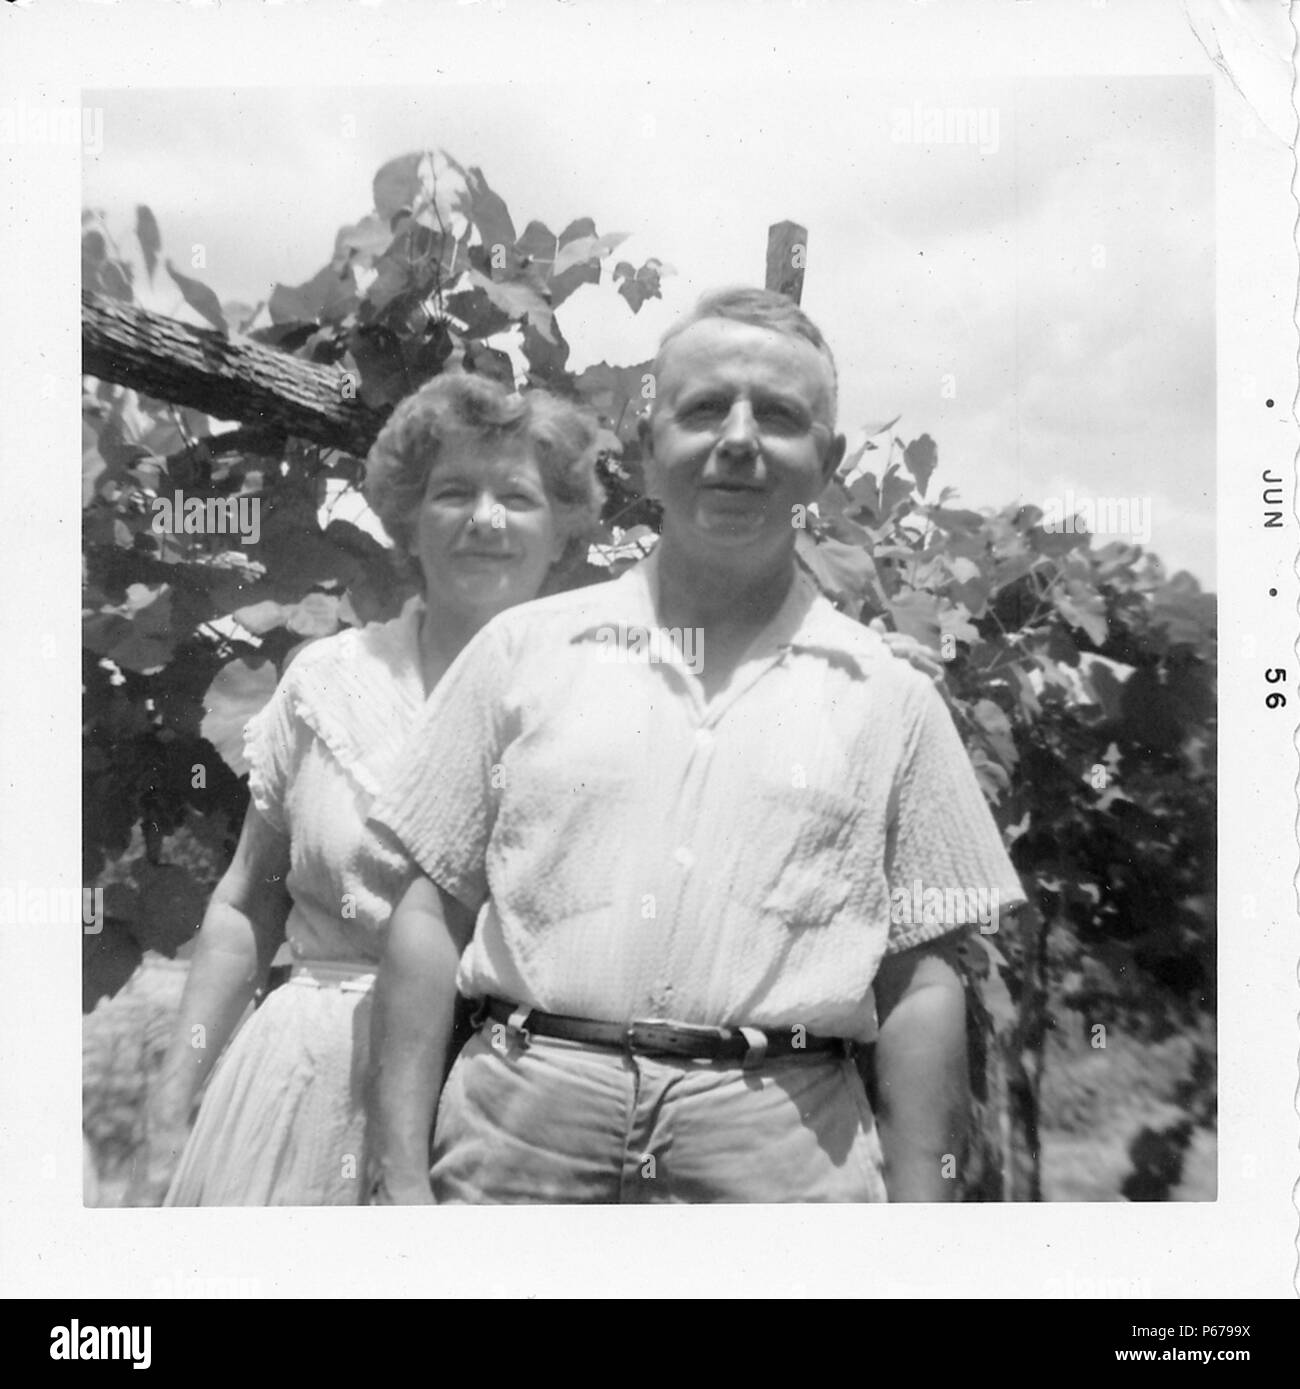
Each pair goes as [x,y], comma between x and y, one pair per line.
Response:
[487,531]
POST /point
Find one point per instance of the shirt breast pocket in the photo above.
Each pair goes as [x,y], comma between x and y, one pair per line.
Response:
[800,855]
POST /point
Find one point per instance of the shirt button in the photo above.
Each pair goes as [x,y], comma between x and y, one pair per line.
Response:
[683,857]
[704,739]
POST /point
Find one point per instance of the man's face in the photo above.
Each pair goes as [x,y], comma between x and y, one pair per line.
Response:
[740,435]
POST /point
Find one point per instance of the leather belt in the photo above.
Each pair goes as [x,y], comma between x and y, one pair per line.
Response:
[657,1037]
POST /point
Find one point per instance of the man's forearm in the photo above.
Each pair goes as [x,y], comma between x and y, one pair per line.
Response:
[415,999]
[923,1090]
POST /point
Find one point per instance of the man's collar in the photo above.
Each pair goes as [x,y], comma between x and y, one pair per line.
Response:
[805,621]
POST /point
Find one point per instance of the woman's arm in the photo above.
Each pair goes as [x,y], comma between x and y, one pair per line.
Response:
[242,929]
[415,1000]
[921,1077]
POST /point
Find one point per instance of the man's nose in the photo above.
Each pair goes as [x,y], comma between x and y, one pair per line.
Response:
[739,434]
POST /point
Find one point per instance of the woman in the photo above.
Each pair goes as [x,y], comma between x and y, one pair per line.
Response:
[486,491]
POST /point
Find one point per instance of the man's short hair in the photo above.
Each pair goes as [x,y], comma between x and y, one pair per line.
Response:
[761,308]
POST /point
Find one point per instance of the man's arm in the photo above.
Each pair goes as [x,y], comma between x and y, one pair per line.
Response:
[415,999]
[921,1076]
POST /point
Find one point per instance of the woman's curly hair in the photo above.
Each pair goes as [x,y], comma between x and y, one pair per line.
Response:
[463,405]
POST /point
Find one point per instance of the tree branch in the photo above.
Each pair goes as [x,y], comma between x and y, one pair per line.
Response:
[231,378]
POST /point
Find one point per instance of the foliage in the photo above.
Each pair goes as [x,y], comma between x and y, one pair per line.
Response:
[1083,682]
[185,634]
[1080,677]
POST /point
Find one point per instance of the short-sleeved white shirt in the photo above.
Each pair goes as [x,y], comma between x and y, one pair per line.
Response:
[637,851]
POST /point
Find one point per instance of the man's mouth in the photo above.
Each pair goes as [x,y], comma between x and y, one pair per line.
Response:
[738,487]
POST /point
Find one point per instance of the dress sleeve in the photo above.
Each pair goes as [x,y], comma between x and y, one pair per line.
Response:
[441,807]
[269,742]
[945,862]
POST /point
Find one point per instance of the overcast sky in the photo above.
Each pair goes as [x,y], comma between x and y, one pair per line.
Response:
[1039,298]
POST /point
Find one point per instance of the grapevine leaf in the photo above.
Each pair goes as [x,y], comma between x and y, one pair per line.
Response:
[1186,615]
[993,988]
[546,358]
[316,616]
[997,731]
[490,362]
[237,692]
[363,242]
[108,959]
[841,571]
[616,394]
[1082,607]
[586,248]
[200,298]
[538,244]
[171,906]
[263,617]
[895,489]
[993,780]
[916,613]
[1108,689]
[954,621]
[955,522]
[146,229]
[396,186]
[636,287]
[518,301]
[921,457]
[377,352]
[489,213]
[1054,543]
[327,297]
[866,492]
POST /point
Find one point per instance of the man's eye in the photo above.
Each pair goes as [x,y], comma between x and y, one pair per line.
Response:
[702,411]
[781,417]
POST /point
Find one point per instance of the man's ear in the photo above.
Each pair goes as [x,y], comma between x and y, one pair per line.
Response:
[834,457]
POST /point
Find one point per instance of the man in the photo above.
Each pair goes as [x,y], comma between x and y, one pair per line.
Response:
[680,806]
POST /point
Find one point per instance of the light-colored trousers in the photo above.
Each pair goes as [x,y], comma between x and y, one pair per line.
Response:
[560,1122]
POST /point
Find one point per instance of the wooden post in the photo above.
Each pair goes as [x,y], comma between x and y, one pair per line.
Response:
[787,254]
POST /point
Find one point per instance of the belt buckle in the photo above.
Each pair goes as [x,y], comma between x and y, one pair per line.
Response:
[639,1033]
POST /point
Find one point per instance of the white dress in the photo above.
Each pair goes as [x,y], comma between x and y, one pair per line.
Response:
[282,1122]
